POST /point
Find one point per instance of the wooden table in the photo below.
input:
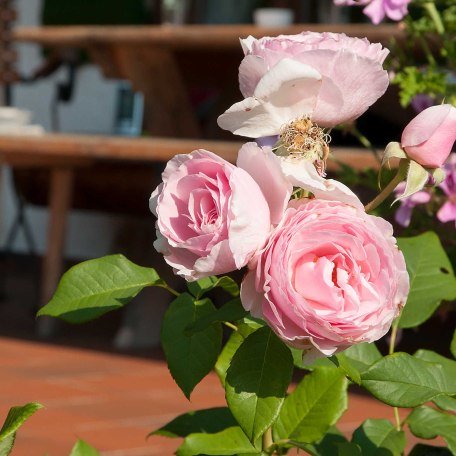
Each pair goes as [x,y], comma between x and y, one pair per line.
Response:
[162,62]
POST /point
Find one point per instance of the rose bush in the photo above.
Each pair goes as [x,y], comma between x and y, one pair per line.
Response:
[330,276]
[310,74]
[322,273]
[205,222]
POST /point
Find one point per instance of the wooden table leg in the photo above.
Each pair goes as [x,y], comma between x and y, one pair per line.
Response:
[60,197]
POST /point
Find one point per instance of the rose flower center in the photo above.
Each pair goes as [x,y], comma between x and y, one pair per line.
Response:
[304,139]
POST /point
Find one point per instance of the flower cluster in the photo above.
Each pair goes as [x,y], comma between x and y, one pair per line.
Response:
[321,271]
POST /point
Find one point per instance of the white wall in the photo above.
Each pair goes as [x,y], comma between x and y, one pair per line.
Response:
[92,112]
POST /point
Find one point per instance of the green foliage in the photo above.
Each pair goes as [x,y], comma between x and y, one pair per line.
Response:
[431,278]
[327,446]
[313,407]
[231,311]
[14,420]
[348,449]
[253,394]
[190,357]
[427,450]
[414,81]
[428,423]
[453,345]
[379,438]
[224,360]
[83,449]
[402,380]
[208,421]
[361,356]
[200,287]
[96,287]
[230,441]
[7,444]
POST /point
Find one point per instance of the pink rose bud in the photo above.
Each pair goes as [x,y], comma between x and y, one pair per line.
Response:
[329,277]
[212,215]
[429,137]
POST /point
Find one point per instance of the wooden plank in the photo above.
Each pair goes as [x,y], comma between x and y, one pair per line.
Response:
[200,37]
[79,149]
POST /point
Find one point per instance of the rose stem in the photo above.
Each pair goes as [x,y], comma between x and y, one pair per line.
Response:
[397,179]
[435,17]
[267,439]
[392,344]
[168,288]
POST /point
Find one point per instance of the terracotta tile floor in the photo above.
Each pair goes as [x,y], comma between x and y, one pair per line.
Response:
[109,400]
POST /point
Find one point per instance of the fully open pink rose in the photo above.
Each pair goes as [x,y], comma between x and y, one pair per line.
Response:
[212,215]
[310,74]
[329,277]
[429,137]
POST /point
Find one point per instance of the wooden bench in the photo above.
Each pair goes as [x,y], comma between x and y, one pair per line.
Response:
[62,155]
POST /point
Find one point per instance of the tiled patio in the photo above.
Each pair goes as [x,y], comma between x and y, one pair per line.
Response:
[109,400]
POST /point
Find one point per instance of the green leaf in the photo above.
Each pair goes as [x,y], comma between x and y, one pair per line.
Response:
[246,326]
[402,380]
[453,345]
[16,418]
[205,285]
[428,423]
[7,444]
[427,450]
[343,363]
[313,407]
[379,438]
[362,356]
[348,449]
[431,278]
[319,362]
[231,441]
[447,403]
[257,380]
[207,421]
[95,287]
[190,357]
[231,311]
[83,449]
[357,359]
[443,401]
[327,446]
[225,357]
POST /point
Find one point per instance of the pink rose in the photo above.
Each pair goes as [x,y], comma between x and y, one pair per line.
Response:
[310,74]
[329,277]
[429,137]
[378,9]
[212,215]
